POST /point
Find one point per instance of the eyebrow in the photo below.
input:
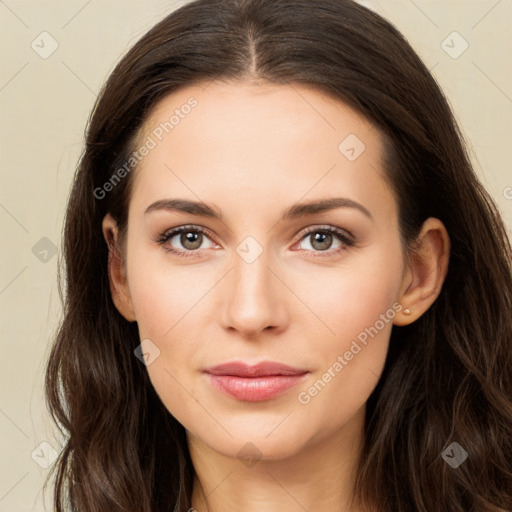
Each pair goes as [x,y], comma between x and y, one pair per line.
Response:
[294,212]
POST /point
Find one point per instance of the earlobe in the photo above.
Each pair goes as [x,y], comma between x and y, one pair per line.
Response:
[426,272]
[116,272]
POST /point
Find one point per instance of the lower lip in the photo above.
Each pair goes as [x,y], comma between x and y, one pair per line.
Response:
[255,389]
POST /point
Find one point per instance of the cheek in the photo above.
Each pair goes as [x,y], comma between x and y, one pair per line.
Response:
[166,302]
[351,298]
[170,302]
[350,361]
[164,294]
[358,307]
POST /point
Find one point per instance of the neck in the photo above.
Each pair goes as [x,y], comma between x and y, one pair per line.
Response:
[318,477]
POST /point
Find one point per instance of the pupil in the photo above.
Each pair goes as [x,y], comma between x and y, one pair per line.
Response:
[191,240]
[324,239]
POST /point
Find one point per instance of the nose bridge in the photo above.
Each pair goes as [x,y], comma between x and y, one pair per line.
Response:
[254,300]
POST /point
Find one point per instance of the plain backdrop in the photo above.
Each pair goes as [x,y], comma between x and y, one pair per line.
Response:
[55,55]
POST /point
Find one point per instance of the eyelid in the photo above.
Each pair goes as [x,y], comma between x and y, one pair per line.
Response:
[191,227]
[325,227]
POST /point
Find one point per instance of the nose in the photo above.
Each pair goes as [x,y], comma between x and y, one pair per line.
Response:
[254,299]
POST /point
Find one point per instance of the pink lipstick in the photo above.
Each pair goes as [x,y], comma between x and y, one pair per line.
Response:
[256,383]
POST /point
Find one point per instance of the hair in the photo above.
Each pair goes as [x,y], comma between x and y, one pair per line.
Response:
[448,375]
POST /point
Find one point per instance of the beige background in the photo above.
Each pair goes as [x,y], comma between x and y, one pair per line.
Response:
[44,106]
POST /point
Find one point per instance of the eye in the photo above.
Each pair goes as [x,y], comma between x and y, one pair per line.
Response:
[190,238]
[326,239]
[186,241]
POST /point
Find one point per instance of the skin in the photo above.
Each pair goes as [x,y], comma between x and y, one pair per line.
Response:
[252,150]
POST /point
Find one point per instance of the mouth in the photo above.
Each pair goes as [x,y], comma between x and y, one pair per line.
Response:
[255,383]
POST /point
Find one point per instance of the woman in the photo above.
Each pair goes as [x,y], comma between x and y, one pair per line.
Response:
[286,288]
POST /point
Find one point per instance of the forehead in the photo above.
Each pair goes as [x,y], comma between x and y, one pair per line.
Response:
[253,113]
[217,137]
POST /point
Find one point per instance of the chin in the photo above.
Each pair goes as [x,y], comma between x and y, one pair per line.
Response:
[259,441]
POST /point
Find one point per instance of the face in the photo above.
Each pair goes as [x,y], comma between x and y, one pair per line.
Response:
[258,274]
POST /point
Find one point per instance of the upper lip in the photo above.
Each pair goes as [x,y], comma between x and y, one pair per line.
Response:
[263,369]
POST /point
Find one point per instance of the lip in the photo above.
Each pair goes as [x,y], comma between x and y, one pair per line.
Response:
[263,369]
[254,383]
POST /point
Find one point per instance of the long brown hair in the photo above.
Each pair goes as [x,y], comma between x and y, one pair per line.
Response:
[448,376]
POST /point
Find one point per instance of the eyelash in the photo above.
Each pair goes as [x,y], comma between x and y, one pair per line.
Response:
[347,240]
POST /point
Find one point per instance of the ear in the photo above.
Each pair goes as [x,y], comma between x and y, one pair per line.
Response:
[425,272]
[116,271]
